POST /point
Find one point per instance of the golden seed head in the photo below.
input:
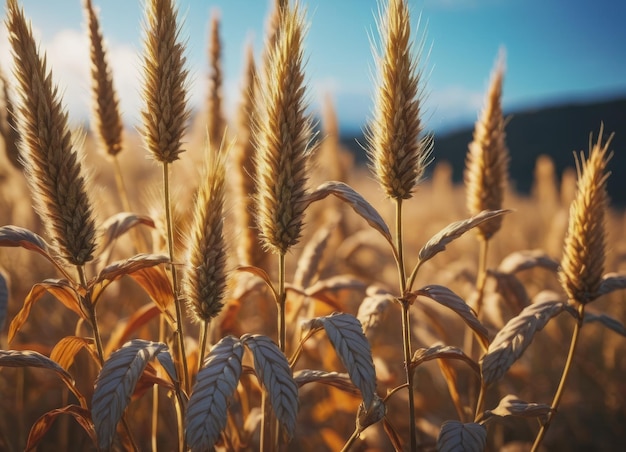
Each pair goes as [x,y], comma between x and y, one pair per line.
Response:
[397,153]
[105,105]
[582,265]
[204,280]
[165,113]
[215,119]
[486,170]
[283,138]
[52,165]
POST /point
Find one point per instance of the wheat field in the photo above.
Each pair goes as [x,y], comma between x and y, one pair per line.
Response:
[217,283]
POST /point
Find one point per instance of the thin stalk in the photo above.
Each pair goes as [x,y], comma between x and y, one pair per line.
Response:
[351,440]
[121,186]
[204,334]
[155,392]
[480,403]
[564,375]
[282,331]
[406,326]
[180,333]
[267,442]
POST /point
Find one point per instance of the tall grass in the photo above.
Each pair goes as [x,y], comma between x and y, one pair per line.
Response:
[295,329]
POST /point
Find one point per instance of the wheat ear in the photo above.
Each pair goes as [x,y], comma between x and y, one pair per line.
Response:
[248,249]
[215,118]
[583,259]
[8,128]
[204,279]
[53,167]
[283,138]
[487,161]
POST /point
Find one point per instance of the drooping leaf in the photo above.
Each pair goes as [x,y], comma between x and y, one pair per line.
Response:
[116,383]
[15,236]
[606,320]
[510,405]
[612,282]
[524,260]
[261,274]
[458,437]
[65,351]
[359,204]
[43,424]
[128,266]
[155,282]
[453,231]
[275,374]
[215,384]
[28,358]
[442,352]
[60,289]
[338,380]
[449,299]
[347,337]
[120,223]
[515,337]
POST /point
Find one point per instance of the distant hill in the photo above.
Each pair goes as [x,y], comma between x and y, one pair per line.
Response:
[557,131]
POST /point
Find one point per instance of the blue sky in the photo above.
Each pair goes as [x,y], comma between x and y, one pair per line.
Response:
[556,50]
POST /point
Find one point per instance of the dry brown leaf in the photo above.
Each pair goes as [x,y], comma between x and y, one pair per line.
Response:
[442,352]
[61,289]
[261,274]
[308,267]
[129,266]
[43,424]
[125,328]
[65,351]
[120,223]
[155,282]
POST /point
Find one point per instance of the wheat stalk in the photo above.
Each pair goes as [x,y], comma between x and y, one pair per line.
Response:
[53,166]
[584,251]
[215,118]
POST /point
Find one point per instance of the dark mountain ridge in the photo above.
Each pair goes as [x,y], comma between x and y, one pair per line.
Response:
[557,131]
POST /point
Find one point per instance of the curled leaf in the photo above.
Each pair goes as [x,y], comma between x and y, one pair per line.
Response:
[276,377]
[65,351]
[43,424]
[458,437]
[215,385]
[525,260]
[128,266]
[442,352]
[515,337]
[116,384]
[347,337]
[120,223]
[510,405]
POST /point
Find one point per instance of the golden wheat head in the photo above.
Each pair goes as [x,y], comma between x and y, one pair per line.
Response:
[204,280]
[165,113]
[105,105]
[283,137]
[398,156]
[582,265]
[486,170]
[52,165]
[215,119]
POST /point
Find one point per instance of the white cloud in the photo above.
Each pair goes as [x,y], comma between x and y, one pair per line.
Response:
[452,105]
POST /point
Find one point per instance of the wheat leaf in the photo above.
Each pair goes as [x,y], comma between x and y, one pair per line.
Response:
[524,260]
[308,267]
[606,320]
[4,299]
[116,383]
[515,337]
[61,289]
[155,282]
[275,375]
[347,337]
[511,289]
[261,274]
[336,379]
[43,424]
[373,310]
[125,328]
[215,384]
[442,352]
[510,405]
[128,266]
[65,351]
[359,204]
[120,223]
[458,437]
[449,299]
[611,282]
[453,231]
[28,358]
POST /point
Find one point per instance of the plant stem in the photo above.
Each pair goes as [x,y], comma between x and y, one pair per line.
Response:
[204,334]
[482,275]
[564,375]
[282,331]
[180,333]
[155,391]
[406,327]
[91,311]
[351,440]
